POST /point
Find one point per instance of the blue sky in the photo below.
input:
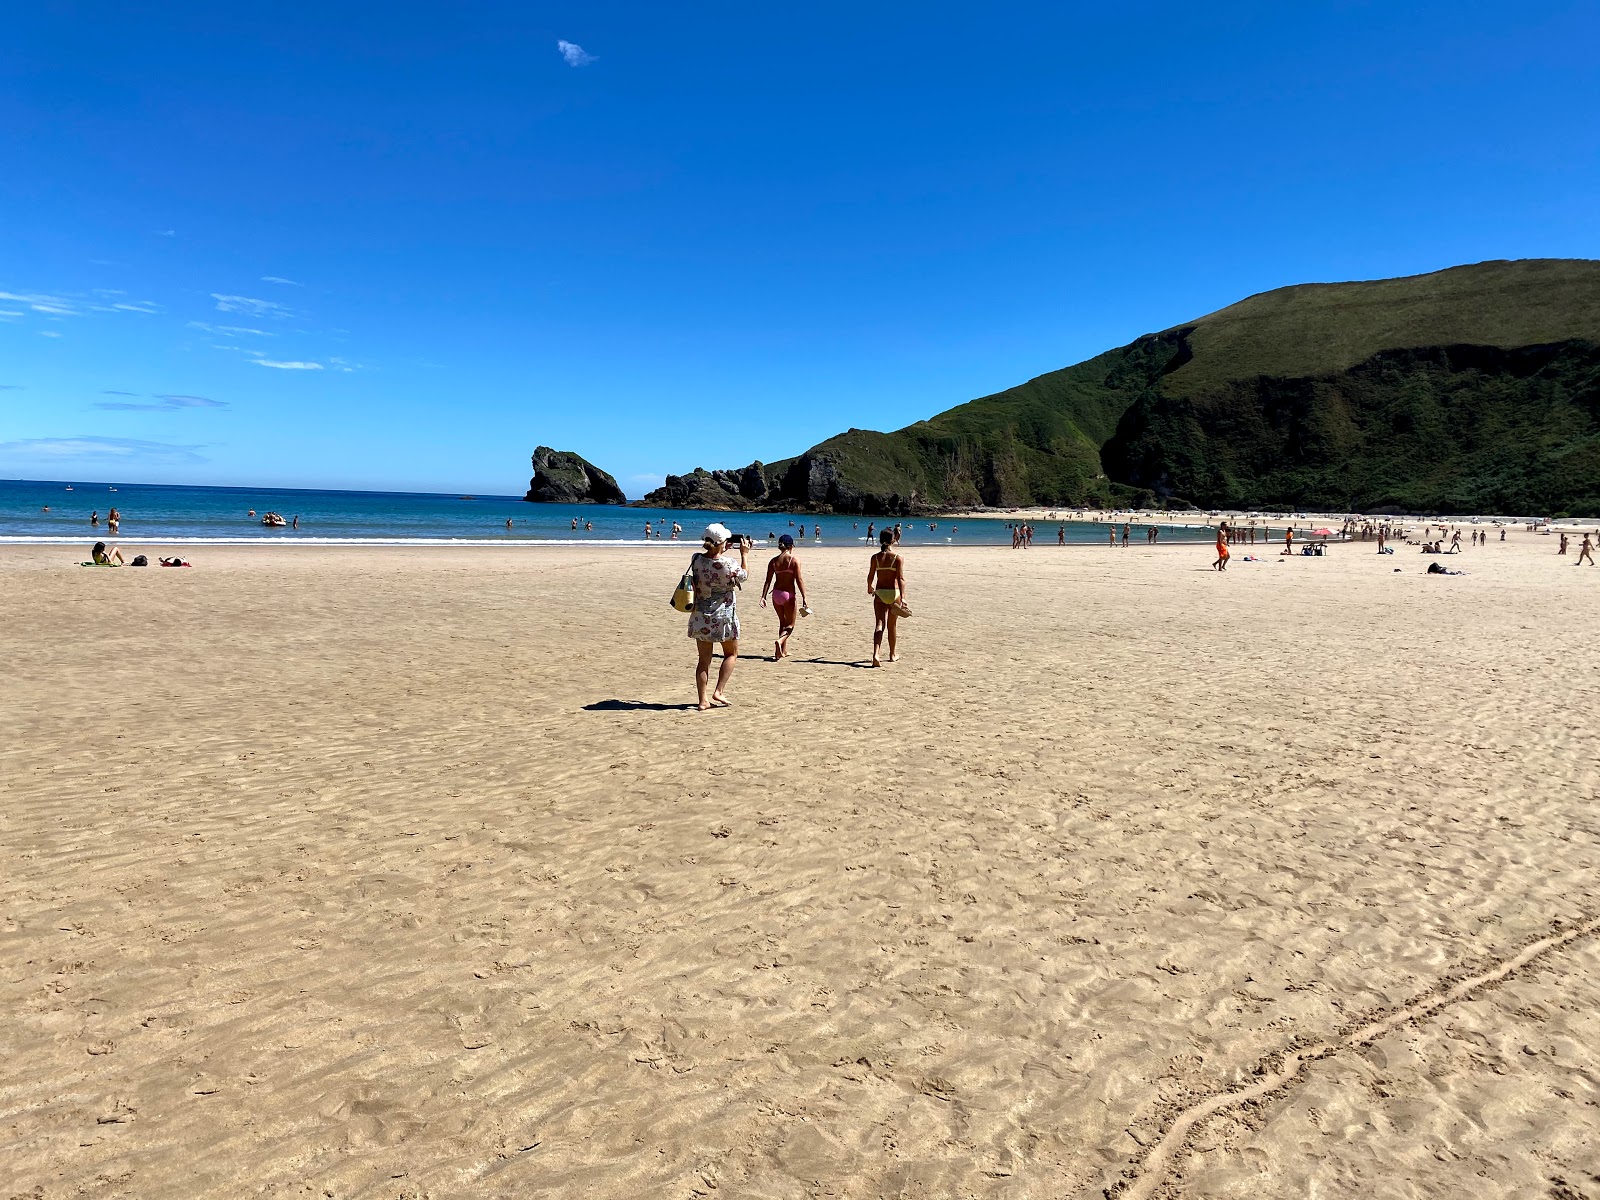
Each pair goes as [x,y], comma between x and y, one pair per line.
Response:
[363,245]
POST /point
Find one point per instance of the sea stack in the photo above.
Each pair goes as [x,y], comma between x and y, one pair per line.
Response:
[562,477]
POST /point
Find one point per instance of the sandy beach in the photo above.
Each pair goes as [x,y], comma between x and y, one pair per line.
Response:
[407,873]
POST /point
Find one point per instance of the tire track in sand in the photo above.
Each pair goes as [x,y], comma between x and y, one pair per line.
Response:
[1147,1176]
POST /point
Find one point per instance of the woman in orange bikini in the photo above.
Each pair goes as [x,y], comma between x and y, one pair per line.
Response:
[886,584]
[788,589]
[1222,548]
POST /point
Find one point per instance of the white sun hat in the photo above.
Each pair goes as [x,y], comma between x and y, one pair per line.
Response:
[717,532]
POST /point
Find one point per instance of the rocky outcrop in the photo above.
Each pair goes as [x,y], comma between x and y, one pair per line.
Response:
[561,477]
[720,491]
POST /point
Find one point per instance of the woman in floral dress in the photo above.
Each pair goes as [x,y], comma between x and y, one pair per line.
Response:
[716,616]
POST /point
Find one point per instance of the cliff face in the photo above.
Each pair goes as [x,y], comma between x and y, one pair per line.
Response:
[1467,390]
[561,477]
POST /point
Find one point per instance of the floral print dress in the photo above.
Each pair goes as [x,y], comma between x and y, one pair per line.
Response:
[715,617]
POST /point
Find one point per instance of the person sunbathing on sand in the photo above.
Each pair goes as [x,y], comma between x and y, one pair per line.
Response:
[106,558]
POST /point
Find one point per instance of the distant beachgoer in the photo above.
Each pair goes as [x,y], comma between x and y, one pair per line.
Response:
[1585,551]
[588,526]
[869,530]
[1127,532]
[1111,537]
[174,561]
[1455,542]
[574,522]
[1502,535]
[94,518]
[788,589]
[1288,540]
[1441,569]
[508,522]
[104,557]
[1061,535]
[1563,548]
[715,618]
[295,524]
[251,513]
[1222,548]
[886,584]
[817,535]
[897,533]
[676,530]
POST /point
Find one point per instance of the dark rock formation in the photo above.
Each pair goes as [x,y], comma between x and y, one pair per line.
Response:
[561,477]
[720,491]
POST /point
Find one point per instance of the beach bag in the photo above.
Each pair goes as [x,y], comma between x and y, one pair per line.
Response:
[139,560]
[900,609]
[683,597]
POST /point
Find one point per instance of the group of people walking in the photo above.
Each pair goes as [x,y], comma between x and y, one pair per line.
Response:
[722,567]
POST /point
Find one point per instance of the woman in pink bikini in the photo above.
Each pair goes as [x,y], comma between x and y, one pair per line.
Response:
[787,586]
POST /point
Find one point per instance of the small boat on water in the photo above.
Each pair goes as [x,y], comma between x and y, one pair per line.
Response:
[69,487]
[275,520]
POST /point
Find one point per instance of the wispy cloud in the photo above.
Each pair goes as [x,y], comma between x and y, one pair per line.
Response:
[102,449]
[138,306]
[164,403]
[11,314]
[38,301]
[230,330]
[249,306]
[10,387]
[287,366]
[166,233]
[50,333]
[575,54]
[110,392]
[280,279]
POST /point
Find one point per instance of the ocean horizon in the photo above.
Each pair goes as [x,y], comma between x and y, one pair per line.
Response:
[209,515]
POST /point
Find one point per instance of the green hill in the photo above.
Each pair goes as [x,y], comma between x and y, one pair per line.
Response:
[1471,389]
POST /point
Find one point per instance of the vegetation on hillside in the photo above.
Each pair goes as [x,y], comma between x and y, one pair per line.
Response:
[1471,389]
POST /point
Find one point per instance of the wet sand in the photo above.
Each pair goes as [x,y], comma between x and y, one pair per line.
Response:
[408,873]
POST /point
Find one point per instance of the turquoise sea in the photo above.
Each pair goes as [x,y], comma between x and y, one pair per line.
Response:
[59,510]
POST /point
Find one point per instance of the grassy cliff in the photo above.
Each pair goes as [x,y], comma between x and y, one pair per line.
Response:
[1471,389]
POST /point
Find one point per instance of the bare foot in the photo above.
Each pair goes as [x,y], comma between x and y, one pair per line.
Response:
[703,706]
[894,657]
[719,702]
[876,663]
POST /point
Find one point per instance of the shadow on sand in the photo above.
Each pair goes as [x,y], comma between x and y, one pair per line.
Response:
[634,706]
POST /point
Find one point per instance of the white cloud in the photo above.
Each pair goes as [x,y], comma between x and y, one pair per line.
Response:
[287,366]
[11,314]
[167,403]
[230,330]
[575,54]
[50,333]
[140,306]
[102,449]
[166,233]
[249,306]
[57,305]
[280,279]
